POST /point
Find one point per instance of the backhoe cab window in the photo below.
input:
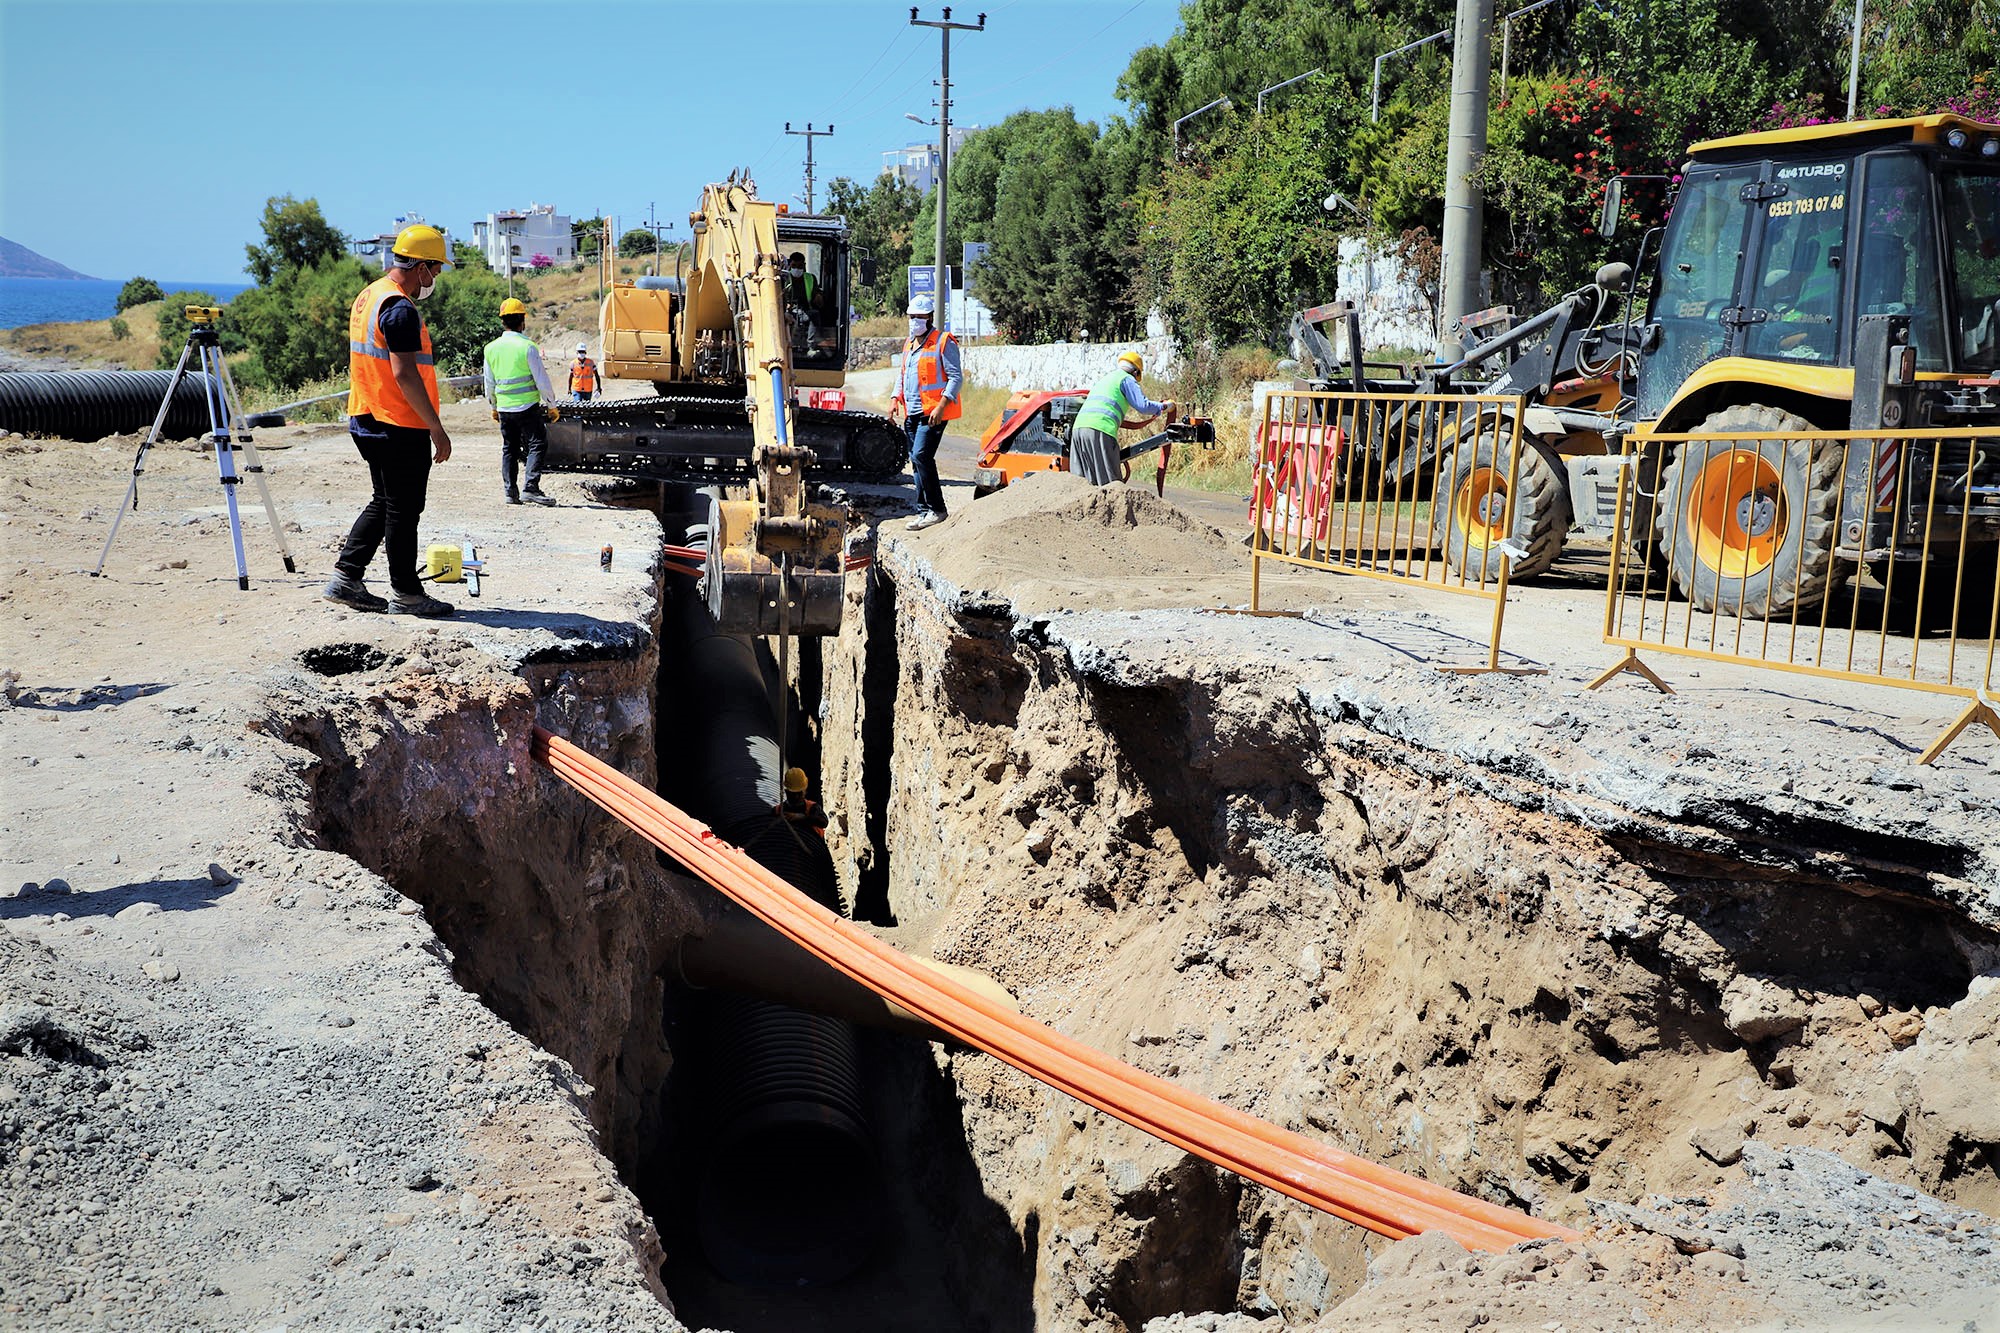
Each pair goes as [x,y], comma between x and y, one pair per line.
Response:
[813,299]
[1798,268]
[1898,273]
[1698,263]
[1972,231]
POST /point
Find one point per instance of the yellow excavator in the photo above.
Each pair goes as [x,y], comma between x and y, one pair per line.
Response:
[726,343]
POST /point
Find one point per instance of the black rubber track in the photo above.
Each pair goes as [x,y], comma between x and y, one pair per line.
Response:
[91,404]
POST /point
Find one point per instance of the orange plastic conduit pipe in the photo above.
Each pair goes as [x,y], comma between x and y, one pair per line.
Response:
[1386,1201]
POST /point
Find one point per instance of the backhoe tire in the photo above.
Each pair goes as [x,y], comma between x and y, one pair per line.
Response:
[1750,528]
[1472,511]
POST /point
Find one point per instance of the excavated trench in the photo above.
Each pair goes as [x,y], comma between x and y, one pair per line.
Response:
[1196,870]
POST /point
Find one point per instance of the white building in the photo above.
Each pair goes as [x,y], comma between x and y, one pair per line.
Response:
[377,249]
[512,239]
[916,163]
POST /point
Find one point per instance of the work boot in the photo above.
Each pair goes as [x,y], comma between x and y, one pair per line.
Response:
[537,498]
[353,593]
[512,498]
[418,604]
[930,518]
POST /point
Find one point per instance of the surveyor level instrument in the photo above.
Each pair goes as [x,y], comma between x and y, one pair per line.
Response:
[227,433]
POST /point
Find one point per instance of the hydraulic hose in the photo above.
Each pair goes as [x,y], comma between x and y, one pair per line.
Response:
[1384,1200]
[91,404]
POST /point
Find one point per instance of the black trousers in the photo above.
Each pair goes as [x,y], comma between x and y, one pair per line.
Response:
[522,435]
[400,468]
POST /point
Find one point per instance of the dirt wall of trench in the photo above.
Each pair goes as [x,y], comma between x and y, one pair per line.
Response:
[1201,872]
[553,915]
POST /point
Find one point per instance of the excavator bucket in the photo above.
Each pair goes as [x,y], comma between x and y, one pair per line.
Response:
[802,591]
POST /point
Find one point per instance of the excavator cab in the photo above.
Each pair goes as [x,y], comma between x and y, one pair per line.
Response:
[1796,267]
[815,250]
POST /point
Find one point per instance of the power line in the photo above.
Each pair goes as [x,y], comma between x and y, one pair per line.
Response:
[1065,54]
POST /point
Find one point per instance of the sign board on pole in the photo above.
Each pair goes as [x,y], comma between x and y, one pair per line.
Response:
[973,250]
[923,283]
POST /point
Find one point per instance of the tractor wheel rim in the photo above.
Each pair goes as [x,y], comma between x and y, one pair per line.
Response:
[1481,507]
[1736,513]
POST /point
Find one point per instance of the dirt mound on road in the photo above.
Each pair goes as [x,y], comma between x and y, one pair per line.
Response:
[1054,542]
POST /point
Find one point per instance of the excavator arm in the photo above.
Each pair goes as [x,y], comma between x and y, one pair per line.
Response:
[776,561]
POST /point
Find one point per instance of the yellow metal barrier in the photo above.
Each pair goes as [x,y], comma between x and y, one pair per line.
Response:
[1409,488]
[1747,548]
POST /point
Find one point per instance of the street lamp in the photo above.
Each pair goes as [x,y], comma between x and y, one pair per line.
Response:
[1375,85]
[1294,79]
[1222,102]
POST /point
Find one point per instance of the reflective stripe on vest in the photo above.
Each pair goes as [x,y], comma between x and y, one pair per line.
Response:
[584,374]
[1104,409]
[930,374]
[513,378]
[372,389]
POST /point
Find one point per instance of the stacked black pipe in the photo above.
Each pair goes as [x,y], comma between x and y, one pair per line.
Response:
[91,404]
[788,1185]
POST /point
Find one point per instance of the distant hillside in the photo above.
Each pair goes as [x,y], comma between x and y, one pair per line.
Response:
[18,261]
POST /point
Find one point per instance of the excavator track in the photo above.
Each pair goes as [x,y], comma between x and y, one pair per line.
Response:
[708,440]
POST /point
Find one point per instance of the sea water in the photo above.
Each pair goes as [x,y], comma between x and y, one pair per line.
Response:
[67,300]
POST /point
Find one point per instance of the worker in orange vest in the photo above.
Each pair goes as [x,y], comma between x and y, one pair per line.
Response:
[582,375]
[392,415]
[930,377]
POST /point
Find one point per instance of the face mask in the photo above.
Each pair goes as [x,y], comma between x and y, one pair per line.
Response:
[427,289]
[919,327]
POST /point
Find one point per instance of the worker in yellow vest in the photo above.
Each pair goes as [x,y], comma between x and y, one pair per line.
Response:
[583,375]
[1093,436]
[518,387]
[392,415]
[927,392]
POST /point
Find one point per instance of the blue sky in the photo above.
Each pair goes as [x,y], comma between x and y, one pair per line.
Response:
[145,137]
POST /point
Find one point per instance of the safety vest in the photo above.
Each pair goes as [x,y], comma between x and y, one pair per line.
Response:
[1104,408]
[930,371]
[513,378]
[372,388]
[808,286]
[583,375]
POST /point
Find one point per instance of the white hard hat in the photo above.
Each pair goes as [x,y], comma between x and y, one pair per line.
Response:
[581,348]
[923,305]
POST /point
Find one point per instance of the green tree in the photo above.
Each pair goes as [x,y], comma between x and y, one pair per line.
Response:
[465,255]
[137,291]
[296,235]
[881,220]
[589,234]
[638,243]
[1238,239]
[295,325]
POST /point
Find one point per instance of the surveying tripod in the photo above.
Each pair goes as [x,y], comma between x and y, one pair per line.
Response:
[226,432]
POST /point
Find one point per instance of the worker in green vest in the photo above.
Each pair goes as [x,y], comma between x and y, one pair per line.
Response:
[1093,437]
[518,387]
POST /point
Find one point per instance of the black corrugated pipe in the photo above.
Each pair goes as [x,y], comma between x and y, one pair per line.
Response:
[91,404]
[788,1189]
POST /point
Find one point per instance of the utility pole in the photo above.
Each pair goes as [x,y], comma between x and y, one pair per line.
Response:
[809,134]
[654,225]
[940,271]
[1464,207]
[1854,63]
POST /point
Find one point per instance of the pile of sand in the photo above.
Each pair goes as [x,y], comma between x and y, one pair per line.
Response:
[1054,542]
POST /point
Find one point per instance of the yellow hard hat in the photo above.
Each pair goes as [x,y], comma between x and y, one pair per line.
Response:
[513,305]
[1134,360]
[418,241]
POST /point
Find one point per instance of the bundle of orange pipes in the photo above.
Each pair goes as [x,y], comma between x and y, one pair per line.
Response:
[1384,1200]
